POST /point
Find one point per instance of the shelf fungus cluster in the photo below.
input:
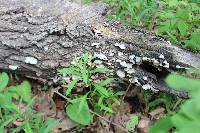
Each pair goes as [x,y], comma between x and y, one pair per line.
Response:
[130,67]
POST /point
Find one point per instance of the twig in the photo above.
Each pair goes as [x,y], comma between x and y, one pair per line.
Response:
[63,96]
[129,86]
[113,123]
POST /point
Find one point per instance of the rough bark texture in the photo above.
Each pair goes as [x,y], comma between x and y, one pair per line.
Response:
[38,36]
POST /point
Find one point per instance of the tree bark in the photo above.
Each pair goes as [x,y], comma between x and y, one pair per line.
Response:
[39,36]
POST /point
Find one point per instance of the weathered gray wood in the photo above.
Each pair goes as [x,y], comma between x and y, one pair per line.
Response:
[39,36]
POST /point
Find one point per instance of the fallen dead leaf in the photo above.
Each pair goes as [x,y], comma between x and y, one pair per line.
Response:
[143,125]
[156,113]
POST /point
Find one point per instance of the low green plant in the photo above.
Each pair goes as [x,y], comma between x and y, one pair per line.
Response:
[16,113]
[176,20]
[133,12]
[187,119]
[162,99]
[95,95]
[179,22]
[133,121]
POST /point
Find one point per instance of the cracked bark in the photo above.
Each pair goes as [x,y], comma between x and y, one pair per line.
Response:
[37,37]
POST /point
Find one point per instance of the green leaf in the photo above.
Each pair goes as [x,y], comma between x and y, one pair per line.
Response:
[182,83]
[101,70]
[84,76]
[166,15]
[182,26]
[23,90]
[27,128]
[130,125]
[101,90]
[106,109]
[119,93]
[80,115]
[70,86]
[194,41]
[172,3]
[183,13]
[164,27]
[3,80]
[162,125]
[86,58]
[49,124]
[180,120]
[6,122]
[70,70]
[193,127]
[154,103]
[191,109]
[172,37]
[5,100]
[105,82]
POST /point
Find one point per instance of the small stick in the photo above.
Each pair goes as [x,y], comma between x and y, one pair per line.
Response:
[113,123]
[128,88]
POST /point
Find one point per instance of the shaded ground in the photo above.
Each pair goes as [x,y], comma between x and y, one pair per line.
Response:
[50,100]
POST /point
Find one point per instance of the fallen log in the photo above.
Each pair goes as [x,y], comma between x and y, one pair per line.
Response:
[37,37]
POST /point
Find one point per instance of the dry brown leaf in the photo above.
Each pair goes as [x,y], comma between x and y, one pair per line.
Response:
[143,125]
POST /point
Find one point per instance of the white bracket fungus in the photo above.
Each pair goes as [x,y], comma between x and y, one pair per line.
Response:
[31,60]
[121,46]
[13,67]
[127,65]
[100,56]
[95,44]
[161,56]
[120,73]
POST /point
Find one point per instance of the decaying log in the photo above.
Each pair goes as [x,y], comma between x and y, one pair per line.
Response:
[39,36]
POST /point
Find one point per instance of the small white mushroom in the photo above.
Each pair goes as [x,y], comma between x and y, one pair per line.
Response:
[132,61]
[146,87]
[73,62]
[131,57]
[13,67]
[144,58]
[95,44]
[46,48]
[130,70]
[166,64]
[111,54]
[31,60]
[169,42]
[127,65]
[98,62]
[100,65]
[135,80]
[120,54]
[138,59]
[120,73]
[153,59]
[100,56]
[118,60]
[161,56]
[121,46]
[156,63]
[154,90]
[179,67]
[145,77]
